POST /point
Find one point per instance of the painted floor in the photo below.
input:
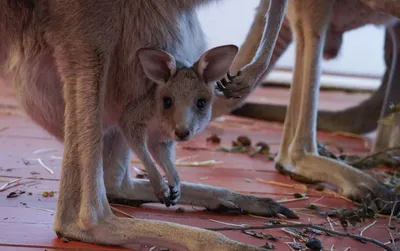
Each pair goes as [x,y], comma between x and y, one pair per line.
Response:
[26,220]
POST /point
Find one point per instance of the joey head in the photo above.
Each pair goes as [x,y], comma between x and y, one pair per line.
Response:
[178,108]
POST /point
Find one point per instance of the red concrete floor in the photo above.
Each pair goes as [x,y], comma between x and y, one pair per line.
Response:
[26,221]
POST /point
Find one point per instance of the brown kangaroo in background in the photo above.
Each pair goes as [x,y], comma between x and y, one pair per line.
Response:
[298,154]
[107,77]
[361,118]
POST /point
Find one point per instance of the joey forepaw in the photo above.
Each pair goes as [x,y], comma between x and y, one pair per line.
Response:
[174,194]
[168,195]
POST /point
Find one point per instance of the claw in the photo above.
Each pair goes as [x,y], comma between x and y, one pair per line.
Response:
[174,195]
[223,83]
[231,77]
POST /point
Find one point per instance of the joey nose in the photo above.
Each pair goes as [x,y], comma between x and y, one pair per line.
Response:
[182,134]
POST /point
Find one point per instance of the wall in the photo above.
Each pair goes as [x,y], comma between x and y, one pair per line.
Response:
[362,52]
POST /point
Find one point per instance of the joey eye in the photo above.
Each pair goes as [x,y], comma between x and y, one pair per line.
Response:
[167,102]
[201,103]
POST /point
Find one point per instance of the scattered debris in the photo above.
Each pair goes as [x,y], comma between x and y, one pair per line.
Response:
[368,226]
[26,161]
[48,194]
[203,178]
[268,245]
[260,235]
[42,209]
[15,194]
[296,245]
[299,195]
[314,244]
[286,200]
[194,148]
[2,129]
[180,210]
[301,187]
[214,139]
[122,212]
[243,145]
[291,226]
[248,232]
[348,216]
[269,236]
[44,166]
[44,150]
[228,224]
[389,157]
[8,184]
[199,163]
[244,141]
[192,163]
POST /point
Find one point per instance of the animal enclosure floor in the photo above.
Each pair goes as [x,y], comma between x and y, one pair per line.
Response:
[26,220]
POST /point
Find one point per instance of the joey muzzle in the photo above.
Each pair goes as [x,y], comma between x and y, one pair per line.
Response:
[182,133]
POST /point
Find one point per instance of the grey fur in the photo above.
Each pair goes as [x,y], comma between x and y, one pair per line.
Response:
[77,73]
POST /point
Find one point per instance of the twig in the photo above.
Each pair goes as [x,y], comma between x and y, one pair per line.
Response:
[330,222]
[228,224]
[391,213]
[292,200]
[320,228]
[191,164]
[295,186]
[290,247]
[122,212]
[48,169]
[373,155]
[5,186]
[391,238]
[42,209]
[365,228]
[44,150]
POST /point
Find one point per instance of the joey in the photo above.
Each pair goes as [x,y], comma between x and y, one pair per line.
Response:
[177,109]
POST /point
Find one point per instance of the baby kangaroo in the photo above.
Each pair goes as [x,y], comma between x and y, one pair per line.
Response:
[108,77]
[177,107]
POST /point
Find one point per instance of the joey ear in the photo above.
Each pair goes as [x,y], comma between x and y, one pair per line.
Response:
[215,63]
[158,65]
